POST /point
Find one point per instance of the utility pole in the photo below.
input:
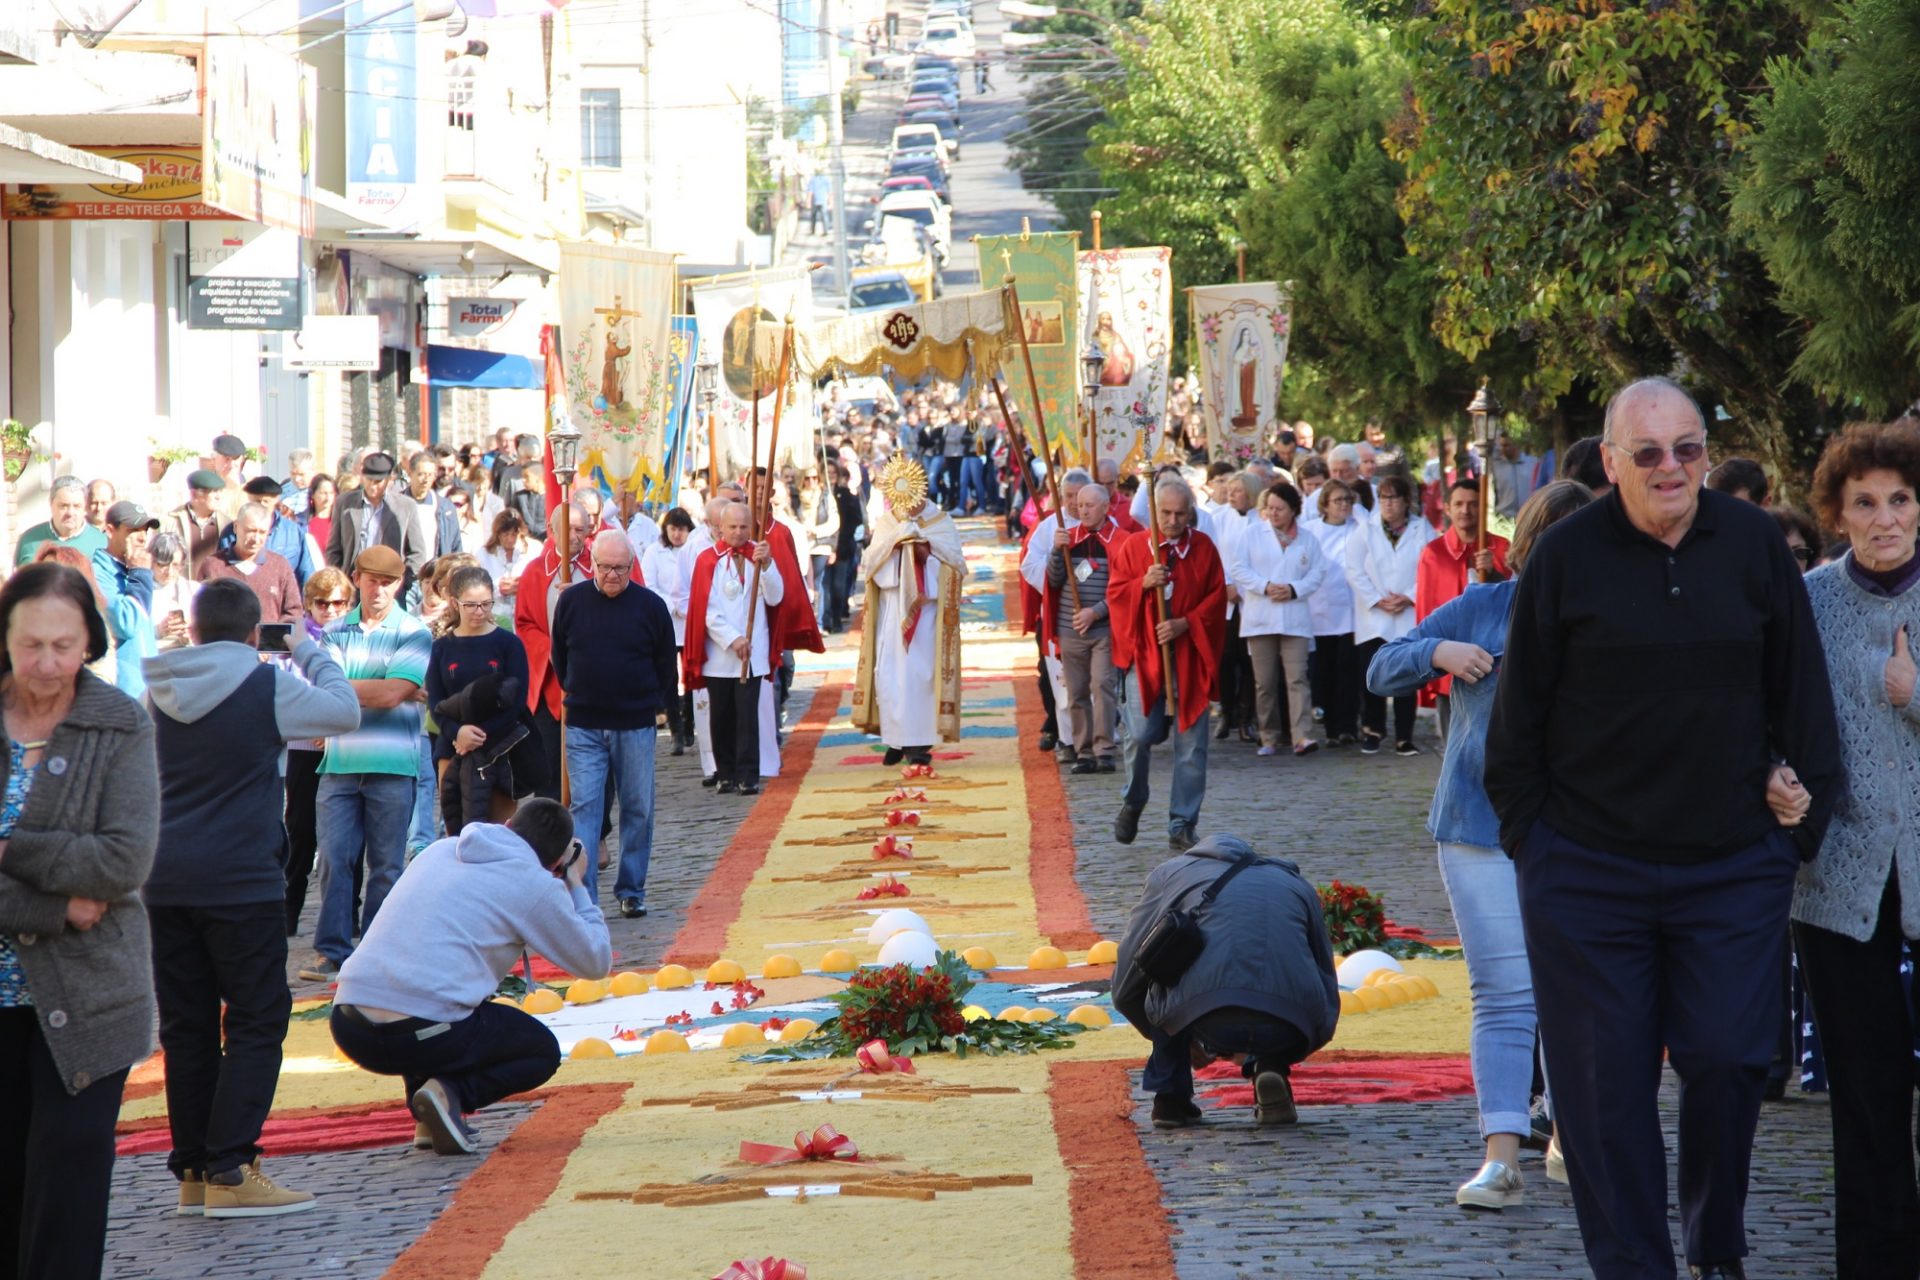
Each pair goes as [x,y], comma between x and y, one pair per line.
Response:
[836,140]
[646,118]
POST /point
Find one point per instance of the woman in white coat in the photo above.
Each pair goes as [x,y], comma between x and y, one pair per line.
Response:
[1279,567]
[1336,673]
[1383,559]
[666,563]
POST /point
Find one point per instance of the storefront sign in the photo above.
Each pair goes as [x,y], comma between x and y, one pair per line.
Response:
[335,342]
[382,119]
[478,317]
[257,134]
[243,276]
[169,191]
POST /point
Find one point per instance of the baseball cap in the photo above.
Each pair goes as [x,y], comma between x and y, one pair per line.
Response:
[205,479]
[130,515]
[384,561]
[230,446]
[377,464]
[262,487]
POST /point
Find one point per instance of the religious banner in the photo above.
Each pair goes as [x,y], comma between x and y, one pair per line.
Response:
[1045,271]
[742,326]
[1126,310]
[946,338]
[683,347]
[1242,330]
[616,315]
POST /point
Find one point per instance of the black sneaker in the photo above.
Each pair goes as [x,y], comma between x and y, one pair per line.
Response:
[1108,765]
[631,909]
[920,755]
[1405,749]
[726,786]
[1273,1099]
[1085,764]
[1181,839]
[710,780]
[893,757]
[1048,741]
[749,789]
[1173,1111]
[1127,825]
[1369,744]
[679,748]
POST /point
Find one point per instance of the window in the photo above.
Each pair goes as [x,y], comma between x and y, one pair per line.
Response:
[600,128]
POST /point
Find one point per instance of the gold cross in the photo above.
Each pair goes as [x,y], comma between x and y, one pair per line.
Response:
[616,311]
[1006,256]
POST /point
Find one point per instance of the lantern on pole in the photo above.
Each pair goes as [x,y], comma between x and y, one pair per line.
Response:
[1092,362]
[706,382]
[1481,410]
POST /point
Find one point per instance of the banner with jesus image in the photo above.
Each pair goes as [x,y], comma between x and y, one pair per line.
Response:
[1126,310]
[616,317]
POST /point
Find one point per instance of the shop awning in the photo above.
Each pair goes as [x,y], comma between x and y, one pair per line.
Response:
[29,157]
[486,370]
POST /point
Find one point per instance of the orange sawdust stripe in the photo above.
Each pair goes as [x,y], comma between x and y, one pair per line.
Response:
[1107,1176]
[1060,909]
[704,932]
[503,1192]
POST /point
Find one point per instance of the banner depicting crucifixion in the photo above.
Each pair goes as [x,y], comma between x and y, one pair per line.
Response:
[616,315]
[1242,332]
[1042,265]
[742,322]
[1126,310]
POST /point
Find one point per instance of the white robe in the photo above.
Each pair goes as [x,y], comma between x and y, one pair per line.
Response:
[904,674]
[699,540]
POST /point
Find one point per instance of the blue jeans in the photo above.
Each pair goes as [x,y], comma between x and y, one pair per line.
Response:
[360,815]
[1149,727]
[422,830]
[817,581]
[973,482]
[1270,1043]
[628,755]
[1486,907]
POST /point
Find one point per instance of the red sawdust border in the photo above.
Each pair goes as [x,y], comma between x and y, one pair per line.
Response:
[704,932]
[1107,1176]
[1060,909]
[517,1179]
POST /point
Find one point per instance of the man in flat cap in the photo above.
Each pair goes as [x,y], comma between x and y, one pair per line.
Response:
[377,514]
[198,521]
[285,537]
[124,573]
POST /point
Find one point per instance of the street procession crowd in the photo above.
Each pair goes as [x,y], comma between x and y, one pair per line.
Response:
[1678,792]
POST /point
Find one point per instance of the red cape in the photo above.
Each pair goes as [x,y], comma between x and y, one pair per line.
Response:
[531,623]
[1124,518]
[1113,535]
[797,627]
[1442,575]
[1029,598]
[693,651]
[1199,596]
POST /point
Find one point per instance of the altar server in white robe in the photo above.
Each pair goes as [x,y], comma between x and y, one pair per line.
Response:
[908,684]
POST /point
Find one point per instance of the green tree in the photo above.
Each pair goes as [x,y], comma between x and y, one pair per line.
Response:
[1828,195]
[1048,148]
[1569,174]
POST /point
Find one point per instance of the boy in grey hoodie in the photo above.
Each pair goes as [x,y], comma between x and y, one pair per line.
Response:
[415,997]
[217,893]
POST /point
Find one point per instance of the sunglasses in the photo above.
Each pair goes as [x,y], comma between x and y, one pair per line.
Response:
[332,604]
[1649,456]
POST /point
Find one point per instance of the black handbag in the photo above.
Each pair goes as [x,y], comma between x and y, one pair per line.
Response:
[1174,941]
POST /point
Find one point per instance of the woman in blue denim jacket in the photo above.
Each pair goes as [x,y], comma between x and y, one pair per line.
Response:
[1465,638]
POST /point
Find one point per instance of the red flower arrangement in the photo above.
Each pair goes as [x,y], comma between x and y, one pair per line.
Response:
[893,847]
[890,887]
[910,1009]
[903,818]
[1356,918]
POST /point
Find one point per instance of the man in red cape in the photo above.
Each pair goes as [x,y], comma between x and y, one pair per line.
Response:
[733,698]
[799,627]
[1086,656]
[1196,612]
[1442,574]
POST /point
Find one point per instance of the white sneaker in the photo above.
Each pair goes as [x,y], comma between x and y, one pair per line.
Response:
[1556,1162]
[1496,1186]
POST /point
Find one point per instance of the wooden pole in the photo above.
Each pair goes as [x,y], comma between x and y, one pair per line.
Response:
[1240,259]
[1154,544]
[1016,437]
[1033,384]
[1096,231]
[763,508]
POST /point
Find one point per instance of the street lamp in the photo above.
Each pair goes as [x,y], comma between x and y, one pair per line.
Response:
[1092,362]
[564,440]
[706,381]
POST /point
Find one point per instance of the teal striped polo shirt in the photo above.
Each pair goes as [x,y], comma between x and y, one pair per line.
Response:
[399,648]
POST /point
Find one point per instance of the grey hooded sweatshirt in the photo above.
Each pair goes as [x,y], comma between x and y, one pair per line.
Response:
[1266,950]
[222,719]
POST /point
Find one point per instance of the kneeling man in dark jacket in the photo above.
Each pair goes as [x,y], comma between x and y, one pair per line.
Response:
[1262,990]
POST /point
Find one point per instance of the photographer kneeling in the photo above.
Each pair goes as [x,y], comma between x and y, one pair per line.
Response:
[1259,989]
[416,996]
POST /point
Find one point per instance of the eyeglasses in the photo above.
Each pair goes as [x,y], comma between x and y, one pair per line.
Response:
[1649,456]
[621,569]
[332,604]
[475,604]
[1803,554]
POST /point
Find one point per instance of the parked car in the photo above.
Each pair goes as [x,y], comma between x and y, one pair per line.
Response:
[924,208]
[943,98]
[879,289]
[869,395]
[921,134]
[920,159]
[948,37]
[946,121]
[914,182]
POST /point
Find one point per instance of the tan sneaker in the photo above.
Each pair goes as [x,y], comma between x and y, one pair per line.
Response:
[193,1195]
[256,1196]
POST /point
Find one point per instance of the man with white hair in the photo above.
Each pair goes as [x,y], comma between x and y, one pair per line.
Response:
[1075,620]
[732,645]
[1343,464]
[1033,568]
[704,536]
[613,653]
[1174,595]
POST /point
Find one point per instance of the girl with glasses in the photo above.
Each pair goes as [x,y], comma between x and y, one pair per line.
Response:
[475,733]
[327,597]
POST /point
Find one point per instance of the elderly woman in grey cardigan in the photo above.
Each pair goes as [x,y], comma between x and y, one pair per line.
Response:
[1860,895]
[79,818]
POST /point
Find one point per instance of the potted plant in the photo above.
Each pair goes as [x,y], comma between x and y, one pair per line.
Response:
[17,448]
[160,458]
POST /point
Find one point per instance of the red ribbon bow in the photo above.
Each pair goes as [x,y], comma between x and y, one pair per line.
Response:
[893,847]
[876,1059]
[764,1269]
[825,1143]
[917,771]
[903,818]
[887,888]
